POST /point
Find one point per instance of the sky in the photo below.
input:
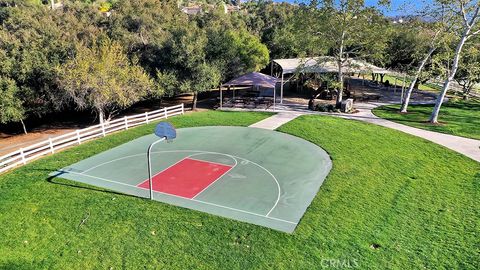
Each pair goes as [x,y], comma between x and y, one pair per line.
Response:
[397,8]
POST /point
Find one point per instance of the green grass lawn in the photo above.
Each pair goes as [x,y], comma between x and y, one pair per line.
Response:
[457,118]
[425,86]
[391,201]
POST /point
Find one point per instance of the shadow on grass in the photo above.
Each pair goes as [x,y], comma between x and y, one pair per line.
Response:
[476,181]
[463,105]
[454,112]
[54,179]
[20,264]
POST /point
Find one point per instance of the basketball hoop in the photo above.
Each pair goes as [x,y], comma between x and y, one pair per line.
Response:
[166,132]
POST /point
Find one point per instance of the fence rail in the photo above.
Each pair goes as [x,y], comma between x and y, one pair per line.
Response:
[50,146]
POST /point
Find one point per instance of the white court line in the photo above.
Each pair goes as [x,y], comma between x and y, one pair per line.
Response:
[273,176]
[187,157]
[124,157]
[247,212]
[202,152]
[172,195]
[213,162]
[278,186]
[231,168]
[99,178]
[153,176]
[206,161]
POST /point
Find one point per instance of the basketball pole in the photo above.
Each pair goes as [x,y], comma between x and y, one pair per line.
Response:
[150,165]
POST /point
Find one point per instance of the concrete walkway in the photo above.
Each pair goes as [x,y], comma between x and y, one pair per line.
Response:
[462,145]
[465,146]
[275,121]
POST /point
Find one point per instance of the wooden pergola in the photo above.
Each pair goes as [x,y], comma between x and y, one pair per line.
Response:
[252,79]
[320,64]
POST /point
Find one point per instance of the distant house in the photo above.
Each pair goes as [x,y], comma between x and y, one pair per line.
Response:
[194,8]
[56,5]
[231,8]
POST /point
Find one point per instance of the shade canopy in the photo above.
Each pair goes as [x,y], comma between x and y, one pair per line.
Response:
[326,64]
[253,78]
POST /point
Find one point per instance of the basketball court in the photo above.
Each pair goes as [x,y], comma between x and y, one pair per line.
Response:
[252,175]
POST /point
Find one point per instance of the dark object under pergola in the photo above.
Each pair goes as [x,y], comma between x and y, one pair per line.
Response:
[254,79]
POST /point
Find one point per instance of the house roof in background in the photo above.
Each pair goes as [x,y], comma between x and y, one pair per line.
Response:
[326,64]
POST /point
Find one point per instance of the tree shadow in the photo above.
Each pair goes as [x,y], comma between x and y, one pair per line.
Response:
[20,264]
[56,180]
[476,180]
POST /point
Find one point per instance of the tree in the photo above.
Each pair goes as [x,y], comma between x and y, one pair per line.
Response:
[235,52]
[263,19]
[468,74]
[287,30]
[469,11]
[353,30]
[11,107]
[28,3]
[406,44]
[144,28]
[230,47]
[204,78]
[103,79]
[33,41]
[435,32]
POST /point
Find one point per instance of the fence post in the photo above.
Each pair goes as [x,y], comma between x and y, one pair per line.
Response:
[51,145]
[22,154]
[125,120]
[165,110]
[146,117]
[79,140]
[183,109]
[103,128]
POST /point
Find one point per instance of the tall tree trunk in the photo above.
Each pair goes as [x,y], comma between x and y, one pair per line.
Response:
[53,4]
[438,104]
[340,71]
[24,127]
[101,116]
[414,81]
[194,102]
[469,23]
[382,75]
[467,89]
[340,83]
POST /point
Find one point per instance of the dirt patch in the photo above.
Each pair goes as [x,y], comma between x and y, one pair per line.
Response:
[10,143]
[59,123]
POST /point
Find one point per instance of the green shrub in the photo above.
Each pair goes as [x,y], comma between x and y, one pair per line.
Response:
[325,108]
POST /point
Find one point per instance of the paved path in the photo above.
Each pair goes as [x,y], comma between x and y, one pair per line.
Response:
[275,121]
[465,146]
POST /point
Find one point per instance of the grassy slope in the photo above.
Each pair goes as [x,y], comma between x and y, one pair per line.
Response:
[417,200]
[425,87]
[457,118]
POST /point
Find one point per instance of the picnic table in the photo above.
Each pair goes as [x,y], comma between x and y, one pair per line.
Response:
[246,102]
[368,97]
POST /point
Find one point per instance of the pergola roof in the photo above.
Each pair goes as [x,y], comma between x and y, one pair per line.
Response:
[253,78]
[326,64]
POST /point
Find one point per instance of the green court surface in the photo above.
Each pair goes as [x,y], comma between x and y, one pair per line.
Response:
[253,175]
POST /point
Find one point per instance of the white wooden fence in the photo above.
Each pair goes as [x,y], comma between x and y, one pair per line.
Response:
[50,146]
